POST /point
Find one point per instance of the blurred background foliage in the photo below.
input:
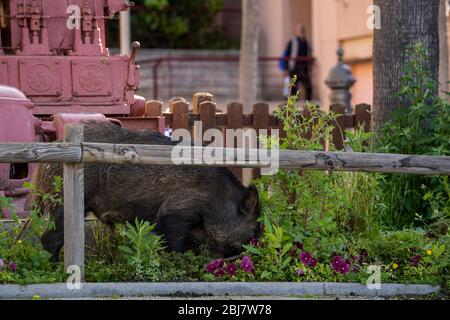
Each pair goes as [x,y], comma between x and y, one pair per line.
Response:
[177,24]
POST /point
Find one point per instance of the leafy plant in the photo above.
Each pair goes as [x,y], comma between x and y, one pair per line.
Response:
[140,248]
[22,258]
[347,200]
[423,128]
[273,253]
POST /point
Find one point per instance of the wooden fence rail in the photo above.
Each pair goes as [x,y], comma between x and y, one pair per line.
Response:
[74,152]
[88,152]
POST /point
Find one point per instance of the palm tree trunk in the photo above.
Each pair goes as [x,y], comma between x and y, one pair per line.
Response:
[403,23]
[248,66]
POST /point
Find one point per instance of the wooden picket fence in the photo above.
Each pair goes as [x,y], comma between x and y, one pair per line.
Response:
[180,117]
[205,110]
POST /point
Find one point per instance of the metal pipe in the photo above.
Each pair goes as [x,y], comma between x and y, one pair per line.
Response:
[125,32]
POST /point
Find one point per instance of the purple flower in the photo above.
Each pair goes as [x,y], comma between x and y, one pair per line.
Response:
[247,264]
[336,261]
[307,259]
[2,263]
[214,265]
[416,260]
[339,265]
[231,269]
[299,272]
[12,266]
[219,273]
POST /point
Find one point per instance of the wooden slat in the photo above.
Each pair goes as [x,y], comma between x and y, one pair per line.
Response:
[153,108]
[273,121]
[73,205]
[260,116]
[235,119]
[175,100]
[363,117]
[221,119]
[339,126]
[235,115]
[198,98]
[180,115]
[207,116]
[260,121]
[307,116]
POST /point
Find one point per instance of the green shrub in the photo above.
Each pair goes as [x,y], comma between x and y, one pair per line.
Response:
[423,128]
[23,260]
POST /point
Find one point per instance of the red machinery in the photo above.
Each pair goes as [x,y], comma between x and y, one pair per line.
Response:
[55,69]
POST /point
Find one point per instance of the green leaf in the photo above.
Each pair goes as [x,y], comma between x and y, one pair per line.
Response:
[286,248]
[252,249]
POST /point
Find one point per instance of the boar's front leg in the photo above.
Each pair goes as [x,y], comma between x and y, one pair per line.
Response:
[176,223]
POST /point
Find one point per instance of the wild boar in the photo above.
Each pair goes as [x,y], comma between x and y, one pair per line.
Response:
[191,206]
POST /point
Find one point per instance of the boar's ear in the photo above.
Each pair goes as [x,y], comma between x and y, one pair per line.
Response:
[250,202]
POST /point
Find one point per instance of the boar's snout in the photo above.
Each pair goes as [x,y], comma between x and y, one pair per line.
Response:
[232,251]
[241,229]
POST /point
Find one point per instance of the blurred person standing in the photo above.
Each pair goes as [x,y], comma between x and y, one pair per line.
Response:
[298,47]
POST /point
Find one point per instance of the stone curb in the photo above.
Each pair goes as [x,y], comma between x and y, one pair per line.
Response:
[282,289]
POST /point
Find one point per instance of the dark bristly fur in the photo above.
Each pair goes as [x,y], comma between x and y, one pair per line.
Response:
[192,206]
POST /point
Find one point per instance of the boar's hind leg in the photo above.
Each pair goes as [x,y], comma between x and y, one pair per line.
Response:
[176,225]
[53,240]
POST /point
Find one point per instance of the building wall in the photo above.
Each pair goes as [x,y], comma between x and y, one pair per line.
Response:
[362,91]
[324,43]
[329,23]
[357,41]
[343,23]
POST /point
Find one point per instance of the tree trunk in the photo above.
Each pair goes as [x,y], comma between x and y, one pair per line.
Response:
[443,51]
[248,68]
[403,23]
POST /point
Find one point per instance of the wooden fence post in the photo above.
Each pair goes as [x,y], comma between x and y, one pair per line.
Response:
[153,108]
[180,115]
[197,100]
[208,115]
[363,117]
[339,126]
[235,120]
[74,205]
[260,121]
